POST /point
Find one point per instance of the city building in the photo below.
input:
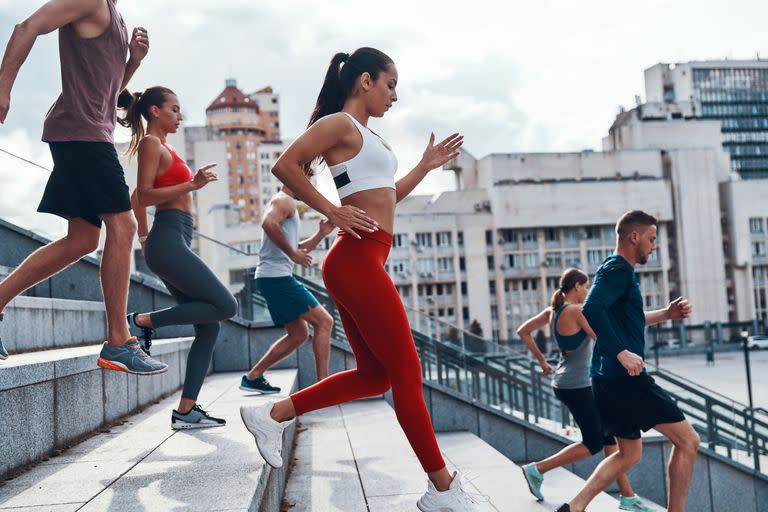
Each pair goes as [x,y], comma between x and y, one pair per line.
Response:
[733,92]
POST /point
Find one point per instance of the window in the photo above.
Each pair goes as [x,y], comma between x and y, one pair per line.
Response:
[494,313]
[554,259]
[237,276]
[571,235]
[464,288]
[508,236]
[462,264]
[445,264]
[572,259]
[460,238]
[592,233]
[488,237]
[594,256]
[531,259]
[551,235]
[609,234]
[425,265]
[443,239]
[512,260]
[465,314]
[400,240]
[400,266]
[529,236]
[756,225]
[424,239]
[490,262]
[758,249]
[492,287]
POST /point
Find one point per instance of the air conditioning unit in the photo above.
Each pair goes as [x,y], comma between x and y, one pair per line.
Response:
[502,267]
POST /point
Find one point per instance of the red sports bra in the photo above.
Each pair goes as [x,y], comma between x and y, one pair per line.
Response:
[176,173]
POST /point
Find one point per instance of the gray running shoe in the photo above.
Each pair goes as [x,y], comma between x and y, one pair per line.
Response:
[129,358]
[195,418]
[3,352]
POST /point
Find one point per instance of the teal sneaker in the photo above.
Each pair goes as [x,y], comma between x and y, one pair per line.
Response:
[258,385]
[195,418]
[534,479]
[3,352]
[634,503]
[129,358]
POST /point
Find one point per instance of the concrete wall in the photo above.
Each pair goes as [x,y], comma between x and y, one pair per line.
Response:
[51,403]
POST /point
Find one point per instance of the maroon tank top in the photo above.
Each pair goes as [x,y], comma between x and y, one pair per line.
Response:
[92,71]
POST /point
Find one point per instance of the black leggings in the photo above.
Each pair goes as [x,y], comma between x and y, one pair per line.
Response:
[203,300]
[581,403]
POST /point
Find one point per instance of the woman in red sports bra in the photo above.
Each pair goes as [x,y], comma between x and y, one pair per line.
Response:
[165,182]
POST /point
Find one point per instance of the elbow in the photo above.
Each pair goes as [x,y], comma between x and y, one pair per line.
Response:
[142,200]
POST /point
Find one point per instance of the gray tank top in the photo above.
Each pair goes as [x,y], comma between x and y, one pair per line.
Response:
[273,262]
[573,369]
[92,72]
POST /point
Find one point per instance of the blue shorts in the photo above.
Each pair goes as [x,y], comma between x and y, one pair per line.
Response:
[287,299]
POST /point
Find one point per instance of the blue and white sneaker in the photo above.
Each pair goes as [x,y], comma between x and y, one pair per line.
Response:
[534,479]
[195,418]
[3,352]
[129,358]
[634,503]
[258,385]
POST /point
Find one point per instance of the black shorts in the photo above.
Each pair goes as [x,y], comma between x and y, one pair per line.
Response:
[87,181]
[581,403]
[628,405]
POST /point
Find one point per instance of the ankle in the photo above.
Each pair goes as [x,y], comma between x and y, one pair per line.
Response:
[144,320]
[251,375]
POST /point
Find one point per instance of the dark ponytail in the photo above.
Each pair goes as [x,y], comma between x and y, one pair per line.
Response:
[568,281]
[136,106]
[340,80]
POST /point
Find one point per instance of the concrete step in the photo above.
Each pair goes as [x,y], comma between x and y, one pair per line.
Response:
[143,465]
[38,323]
[355,457]
[53,398]
[502,481]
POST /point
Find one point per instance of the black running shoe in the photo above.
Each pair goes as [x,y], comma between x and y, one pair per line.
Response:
[564,508]
[146,332]
[196,418]
[258,385]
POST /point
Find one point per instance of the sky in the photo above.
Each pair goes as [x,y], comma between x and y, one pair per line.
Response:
[521,76]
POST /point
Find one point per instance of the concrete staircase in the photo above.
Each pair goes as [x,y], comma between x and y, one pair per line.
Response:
[355,457]
[141,464]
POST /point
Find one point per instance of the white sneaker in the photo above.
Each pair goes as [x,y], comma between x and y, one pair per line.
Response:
[455,499]
[267,432]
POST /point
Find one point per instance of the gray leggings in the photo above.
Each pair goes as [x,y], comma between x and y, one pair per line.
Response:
[203,300]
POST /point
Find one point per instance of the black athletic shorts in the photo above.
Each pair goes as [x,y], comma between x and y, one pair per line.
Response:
[581,403]
[87,181]
[628,405]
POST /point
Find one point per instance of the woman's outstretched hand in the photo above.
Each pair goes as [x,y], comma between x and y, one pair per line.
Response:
[204,176]
[352,219]
[438,154]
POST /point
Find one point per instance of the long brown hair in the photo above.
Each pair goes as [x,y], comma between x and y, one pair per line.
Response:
[340,80]
[568,281]
[136,106]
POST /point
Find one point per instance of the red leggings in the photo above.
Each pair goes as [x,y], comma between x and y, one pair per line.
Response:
[377,328]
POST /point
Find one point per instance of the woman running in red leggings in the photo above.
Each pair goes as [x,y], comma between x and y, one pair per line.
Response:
[357,87]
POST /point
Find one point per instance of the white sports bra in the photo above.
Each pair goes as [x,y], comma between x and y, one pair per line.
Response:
[373,167]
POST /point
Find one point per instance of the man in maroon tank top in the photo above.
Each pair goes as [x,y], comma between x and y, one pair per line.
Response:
[87,185]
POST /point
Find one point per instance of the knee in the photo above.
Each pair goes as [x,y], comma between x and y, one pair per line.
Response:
[121,226]
[379,384]
[631,458]
[299,333]
[229,307]
[324,323]
[83,244]
[690,443]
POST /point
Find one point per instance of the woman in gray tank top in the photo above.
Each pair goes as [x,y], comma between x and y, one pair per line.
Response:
[572,384]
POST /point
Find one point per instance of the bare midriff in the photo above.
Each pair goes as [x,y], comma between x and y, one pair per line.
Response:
[378,204]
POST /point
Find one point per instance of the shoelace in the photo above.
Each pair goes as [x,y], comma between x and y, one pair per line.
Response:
[199,409]
[139,352]
[473,498]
